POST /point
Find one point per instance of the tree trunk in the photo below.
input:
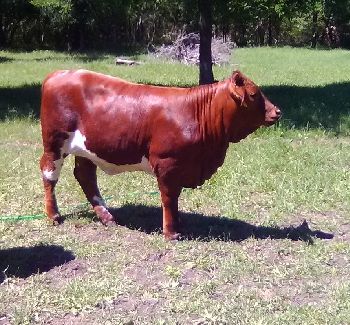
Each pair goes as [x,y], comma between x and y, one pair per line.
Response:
[82,41]
[205,60]
[269,38]
[2,34]
[314,30]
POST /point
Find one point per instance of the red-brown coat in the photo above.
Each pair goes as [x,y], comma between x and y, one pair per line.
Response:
[178,134]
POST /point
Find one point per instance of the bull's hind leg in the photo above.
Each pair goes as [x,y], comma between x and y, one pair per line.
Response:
[85,173]
[50,170]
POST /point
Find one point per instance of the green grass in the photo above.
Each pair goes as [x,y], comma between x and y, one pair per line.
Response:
[245,258]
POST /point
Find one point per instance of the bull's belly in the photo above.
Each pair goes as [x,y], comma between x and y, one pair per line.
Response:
[75,145]
[112,169]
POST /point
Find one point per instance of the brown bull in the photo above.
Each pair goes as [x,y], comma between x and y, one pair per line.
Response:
[180,135]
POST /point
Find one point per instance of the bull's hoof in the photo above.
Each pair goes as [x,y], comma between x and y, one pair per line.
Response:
[172,236]
[110,223]
[104,216]
[56,220]
[107,223]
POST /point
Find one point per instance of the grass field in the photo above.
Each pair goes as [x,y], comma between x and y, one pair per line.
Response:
[266,239]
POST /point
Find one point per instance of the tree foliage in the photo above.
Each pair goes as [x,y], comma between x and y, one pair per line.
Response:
[98,24]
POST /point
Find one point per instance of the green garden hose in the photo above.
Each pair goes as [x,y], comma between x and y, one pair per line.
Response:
[41,215]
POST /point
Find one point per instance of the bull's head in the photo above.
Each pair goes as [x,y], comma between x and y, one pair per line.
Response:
[251,101]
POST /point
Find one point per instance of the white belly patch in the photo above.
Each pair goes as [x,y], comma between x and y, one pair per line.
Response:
[75,145]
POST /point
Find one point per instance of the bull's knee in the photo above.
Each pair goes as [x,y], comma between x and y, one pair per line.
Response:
[51,169]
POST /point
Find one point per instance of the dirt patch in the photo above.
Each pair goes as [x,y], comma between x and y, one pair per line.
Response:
[92,233]
[149,272]
[4,319]
[60,275]
[159,270]
[133,305]
[65,319]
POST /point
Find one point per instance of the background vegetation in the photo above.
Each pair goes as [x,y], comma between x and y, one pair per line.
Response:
[247,256]
[110,24]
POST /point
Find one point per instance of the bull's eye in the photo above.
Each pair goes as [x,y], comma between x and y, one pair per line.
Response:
[253,95]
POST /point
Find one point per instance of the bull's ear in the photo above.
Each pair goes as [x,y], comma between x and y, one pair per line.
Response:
[237,78]
[237,88]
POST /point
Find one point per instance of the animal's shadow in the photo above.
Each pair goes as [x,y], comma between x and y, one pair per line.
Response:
[22,262]
[195,226]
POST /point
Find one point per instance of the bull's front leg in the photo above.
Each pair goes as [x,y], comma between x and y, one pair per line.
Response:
[170,198]
[85,174]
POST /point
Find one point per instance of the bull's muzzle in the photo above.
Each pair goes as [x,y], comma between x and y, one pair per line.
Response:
[272,115]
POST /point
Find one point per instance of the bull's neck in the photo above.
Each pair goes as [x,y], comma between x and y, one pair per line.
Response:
[209,113]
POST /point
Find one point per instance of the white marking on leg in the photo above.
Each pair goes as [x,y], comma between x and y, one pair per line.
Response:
[52,175]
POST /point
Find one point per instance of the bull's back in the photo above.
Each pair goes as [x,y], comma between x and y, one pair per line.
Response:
[105,99]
